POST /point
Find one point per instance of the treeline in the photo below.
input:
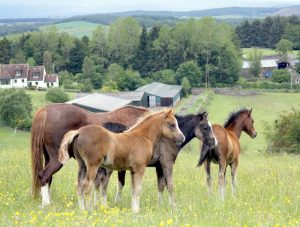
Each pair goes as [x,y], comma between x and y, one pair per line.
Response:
[17,28]
[127,55]
[268,32]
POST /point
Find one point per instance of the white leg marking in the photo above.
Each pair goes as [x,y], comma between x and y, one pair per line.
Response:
[45,195]
[160,197]
[119,192]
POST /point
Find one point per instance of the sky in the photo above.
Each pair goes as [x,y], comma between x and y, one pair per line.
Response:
[68,7]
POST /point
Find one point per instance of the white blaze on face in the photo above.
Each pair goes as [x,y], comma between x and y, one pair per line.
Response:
[216,141]
[177,127]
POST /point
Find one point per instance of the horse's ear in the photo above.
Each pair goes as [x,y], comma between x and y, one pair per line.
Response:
[169,112]
[250,111]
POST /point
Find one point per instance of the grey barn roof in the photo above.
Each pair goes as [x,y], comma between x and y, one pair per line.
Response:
[159,89]
[128,95]
[100,102]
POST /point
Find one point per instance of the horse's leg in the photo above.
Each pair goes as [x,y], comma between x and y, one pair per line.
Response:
[121,183]
[100,174]
[222,168]
[103,186]
[136,188]
[168,173]
[89,182]
[45,189]
[233,166]
[208,173]
[80,183]
[161,182]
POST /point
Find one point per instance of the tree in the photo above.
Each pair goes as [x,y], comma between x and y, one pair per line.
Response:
[166,76]
[281,76]
[57,95]
[15,108]
[283,47]
[186,86]
[20,58]
[142,54]
[129,81]
[298,64]
[191,71]
[5,51]
[123,40]
[77,54]
[47,62]
[255,59]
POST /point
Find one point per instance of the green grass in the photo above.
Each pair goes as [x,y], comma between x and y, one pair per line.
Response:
[75,28]
[265,51]
[268,186]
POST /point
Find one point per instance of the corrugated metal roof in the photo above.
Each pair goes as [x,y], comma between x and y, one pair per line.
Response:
[265,63]
[161,90]
[128,95]
[100,102]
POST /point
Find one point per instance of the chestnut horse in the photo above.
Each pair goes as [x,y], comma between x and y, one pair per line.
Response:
[48,128]
[132,150]
[165,154]
[228,149]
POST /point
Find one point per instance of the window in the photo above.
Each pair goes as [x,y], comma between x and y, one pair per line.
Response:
[51,84]
[16,81]
[30,83]
[297,81]
[35,74]
[36,83]
[4,82]
[18,72]
[151,101]
[22,80]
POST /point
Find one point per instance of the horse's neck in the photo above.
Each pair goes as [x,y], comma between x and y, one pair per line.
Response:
[187,129]
[236,127]
[150,128]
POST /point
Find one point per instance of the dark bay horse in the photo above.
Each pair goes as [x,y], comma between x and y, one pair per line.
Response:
[48,128]
[228,149]
[165,154]
[132,150]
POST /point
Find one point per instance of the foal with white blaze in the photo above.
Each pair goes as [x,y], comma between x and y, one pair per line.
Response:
[95,146]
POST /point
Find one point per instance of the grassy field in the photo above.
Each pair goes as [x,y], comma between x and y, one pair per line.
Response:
[76,28]
[268,186]
[265,51]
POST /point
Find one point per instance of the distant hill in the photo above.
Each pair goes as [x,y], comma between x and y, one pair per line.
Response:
[285,12]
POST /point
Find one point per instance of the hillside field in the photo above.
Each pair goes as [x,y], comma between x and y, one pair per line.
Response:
[268,187]
[76,28]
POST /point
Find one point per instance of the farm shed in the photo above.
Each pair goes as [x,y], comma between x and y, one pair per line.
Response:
[99,103]
[158,94]
[137,98]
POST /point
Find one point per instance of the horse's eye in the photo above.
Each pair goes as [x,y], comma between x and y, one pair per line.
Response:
[171,125]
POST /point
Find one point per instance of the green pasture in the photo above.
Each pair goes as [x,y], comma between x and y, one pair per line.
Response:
[268,188]
[75,28]
[265,51]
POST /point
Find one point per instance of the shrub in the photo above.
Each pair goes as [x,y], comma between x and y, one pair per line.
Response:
[57,95]
[284,134]
[281,76]
[15,108]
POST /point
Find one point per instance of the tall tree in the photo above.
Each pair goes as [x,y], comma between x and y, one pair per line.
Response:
[47,61]
[5,51]
[77,54]
[255,59]
[142,54]
[283,47]
[123,40]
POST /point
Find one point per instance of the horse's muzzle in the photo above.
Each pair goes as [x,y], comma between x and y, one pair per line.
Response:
[180,140]
[254,135]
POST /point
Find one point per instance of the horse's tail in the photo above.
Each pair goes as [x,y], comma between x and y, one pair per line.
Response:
[37,143]
[63,154]
[203,154]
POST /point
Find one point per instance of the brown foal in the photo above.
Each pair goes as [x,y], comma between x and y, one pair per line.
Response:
[228,148]
[95,146]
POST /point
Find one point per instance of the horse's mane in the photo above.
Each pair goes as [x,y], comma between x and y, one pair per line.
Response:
[133,107]
[185,118]
[233,116]
[144,117]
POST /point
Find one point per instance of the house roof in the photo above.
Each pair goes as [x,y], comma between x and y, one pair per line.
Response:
[51,78]
[128,95]
[5,76]
[162,90]
[11,69]
[100,102]
[40,70]
[265,63]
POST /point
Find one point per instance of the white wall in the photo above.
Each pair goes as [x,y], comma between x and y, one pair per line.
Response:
[17,83]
